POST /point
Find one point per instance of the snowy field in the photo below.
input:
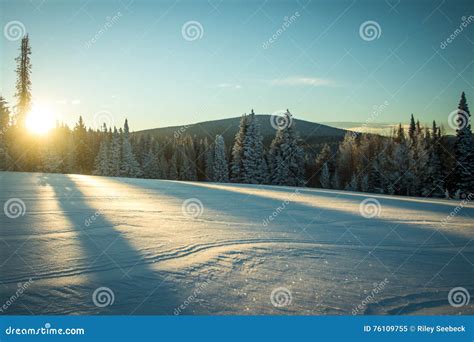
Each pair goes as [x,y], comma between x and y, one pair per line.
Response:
[158,252]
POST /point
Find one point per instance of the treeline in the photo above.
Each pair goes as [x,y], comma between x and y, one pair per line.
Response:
[420,161]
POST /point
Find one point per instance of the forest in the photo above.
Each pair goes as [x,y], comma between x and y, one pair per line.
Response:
[418,161]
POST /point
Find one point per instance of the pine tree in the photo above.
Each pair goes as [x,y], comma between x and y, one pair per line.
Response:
[129,166]
[208,160]
[254,166]
[173,167]
[220,171]
[236,166]
[102,163]
[4,124]
[464,151]
[325,178]
[115,156]
[287,156]
[81,148]
[23,84]
[4,115]
[51,162]
[412,128]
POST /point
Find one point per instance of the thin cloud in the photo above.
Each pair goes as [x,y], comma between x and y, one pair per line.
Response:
[302,81]
[229,85]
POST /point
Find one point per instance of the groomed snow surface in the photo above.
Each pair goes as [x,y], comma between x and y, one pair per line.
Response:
[97,245]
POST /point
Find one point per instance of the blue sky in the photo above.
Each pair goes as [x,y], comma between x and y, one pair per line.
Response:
[320,67]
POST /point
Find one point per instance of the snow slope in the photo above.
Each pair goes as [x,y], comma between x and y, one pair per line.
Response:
[80,233]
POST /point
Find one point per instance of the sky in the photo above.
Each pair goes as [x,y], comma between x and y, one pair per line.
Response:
[166,63]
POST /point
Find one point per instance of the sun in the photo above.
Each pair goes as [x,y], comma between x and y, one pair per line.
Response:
[40,120]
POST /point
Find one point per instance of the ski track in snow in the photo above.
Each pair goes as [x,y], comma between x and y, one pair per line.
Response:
[80,233]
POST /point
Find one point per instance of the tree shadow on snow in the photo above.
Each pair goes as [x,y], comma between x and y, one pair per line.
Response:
[107,260]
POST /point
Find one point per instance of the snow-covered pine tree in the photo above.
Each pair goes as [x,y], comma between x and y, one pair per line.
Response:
[254,166]
[345,163]
[325,177]
[236,165]
[323,159]
[287,156]
[50,159]
[102,163]
[173,166]
[208,160]
[115,156]
[464,151]
[412,128]
[129,166]
[220,168]
[4,124]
